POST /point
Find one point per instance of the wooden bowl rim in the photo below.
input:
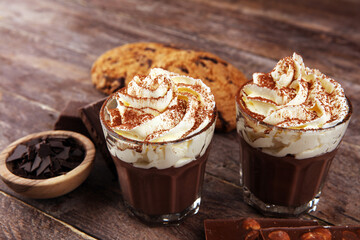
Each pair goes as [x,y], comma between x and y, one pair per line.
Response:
[10,177]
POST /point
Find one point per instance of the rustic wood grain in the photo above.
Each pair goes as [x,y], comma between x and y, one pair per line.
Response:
[46,52]
[26,222]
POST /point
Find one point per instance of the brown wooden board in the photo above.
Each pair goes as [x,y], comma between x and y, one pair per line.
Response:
[27,222]
[46,52]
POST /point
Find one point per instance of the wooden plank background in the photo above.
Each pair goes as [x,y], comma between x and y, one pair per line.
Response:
[46,52]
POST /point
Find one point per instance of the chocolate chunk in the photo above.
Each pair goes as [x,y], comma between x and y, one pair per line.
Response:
[90,116]
[44,164]
[64,154]
[36,163]
[56,166]
[26,166]
[18,153]
[34,141]
[70,120]
[31,152]
[44,150]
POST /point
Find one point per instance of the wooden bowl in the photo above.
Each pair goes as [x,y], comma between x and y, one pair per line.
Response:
[50,187]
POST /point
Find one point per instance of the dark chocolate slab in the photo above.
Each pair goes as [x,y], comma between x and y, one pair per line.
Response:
[247,228]
[311,233]
[69,118]
[90,117]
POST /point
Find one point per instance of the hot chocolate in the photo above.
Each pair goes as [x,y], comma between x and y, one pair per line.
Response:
[290,122]
[152,192]
[158,130]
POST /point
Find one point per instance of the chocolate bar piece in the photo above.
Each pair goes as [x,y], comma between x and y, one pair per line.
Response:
[69,118]
[247,228]
[90,116]
[311,233]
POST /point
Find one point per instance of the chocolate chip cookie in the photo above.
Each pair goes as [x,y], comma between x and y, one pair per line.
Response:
[117,67]
[223,79]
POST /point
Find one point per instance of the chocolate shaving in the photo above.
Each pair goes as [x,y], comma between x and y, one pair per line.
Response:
[26,166]
[18,153]
[36,163]
[45,157]
[44,164]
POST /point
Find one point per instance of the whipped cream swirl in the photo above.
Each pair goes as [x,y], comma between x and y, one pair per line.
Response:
[295,96]
[162,106]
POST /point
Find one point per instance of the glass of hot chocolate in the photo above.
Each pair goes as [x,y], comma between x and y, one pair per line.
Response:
[158,130]
[290,123]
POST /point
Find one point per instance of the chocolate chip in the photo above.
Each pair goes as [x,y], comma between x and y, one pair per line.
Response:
[150,49]
[149,62]
[209,79]
[200,63]
[184,69]
[209,59]
[56,145]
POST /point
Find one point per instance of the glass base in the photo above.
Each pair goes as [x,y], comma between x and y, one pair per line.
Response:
[166,219]
[275,210]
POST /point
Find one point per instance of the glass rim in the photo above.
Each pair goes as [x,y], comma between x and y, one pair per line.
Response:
[241,108]
[139,142]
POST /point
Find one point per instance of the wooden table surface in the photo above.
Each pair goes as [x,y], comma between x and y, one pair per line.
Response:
[47,49]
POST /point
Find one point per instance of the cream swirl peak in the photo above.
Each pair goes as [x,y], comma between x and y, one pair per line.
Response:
[162,106]
[295,96]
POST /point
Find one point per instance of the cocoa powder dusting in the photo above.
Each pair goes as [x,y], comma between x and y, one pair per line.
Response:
[194,101]
[265,80]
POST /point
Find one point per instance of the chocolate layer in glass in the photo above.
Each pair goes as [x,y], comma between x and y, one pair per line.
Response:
[162,191]
[284,181]
[283,185]
[290,123]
